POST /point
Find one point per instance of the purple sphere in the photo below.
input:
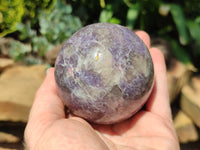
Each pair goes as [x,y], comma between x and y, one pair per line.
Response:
[104,73]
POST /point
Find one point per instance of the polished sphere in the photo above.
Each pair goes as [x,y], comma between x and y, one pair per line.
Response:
[104,73]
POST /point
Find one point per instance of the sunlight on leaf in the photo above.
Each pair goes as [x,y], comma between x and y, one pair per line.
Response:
[114,20]
[102,3]
[194,29]
[164,9]
[132,15]
[179,20]
[106,14]
[197,20]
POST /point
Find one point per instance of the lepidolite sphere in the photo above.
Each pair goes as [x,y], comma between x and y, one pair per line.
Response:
[104,73]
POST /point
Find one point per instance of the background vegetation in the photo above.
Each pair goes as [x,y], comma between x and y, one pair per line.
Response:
[39,25]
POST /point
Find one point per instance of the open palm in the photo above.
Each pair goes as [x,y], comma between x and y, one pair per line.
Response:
[50,128]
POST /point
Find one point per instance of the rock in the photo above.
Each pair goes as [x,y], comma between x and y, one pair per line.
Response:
[52,54]
[18,86]
[8,138]
[108,71]
[185,128]
[190,102]
[5,63]
[11,111]
[177,75]
[2,148]
[5,44]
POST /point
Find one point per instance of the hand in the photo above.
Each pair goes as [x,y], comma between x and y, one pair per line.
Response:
[151,128]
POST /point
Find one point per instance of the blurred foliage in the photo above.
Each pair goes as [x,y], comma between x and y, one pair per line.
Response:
[19,49]
[46,23]
[177,21]
[53,29]
[15,11]
[11,12]
[32,8]
[58,25]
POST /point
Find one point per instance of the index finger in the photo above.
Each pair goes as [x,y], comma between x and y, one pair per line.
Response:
[47,100]
[158,102]
[46,109]
[144,37]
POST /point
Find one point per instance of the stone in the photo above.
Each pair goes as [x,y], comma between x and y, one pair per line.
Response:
[177,75]
[18,86]
[177,72]
[5,44]
[5,63]
[190,100]
[104,73]
[185,128]
[8,138]
[11,111]
[3,148]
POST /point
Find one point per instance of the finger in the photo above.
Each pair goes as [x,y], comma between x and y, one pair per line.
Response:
[158,102]
[47,107]
[145,37]
[47,100]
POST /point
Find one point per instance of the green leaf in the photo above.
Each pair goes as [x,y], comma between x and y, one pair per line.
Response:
[58,25]
[179,20]
[102,3]
[11,12]
[132,15]
[68,9]
[30,60]
[114,20]
[197,20]
[106,14]
[18,50]
[164,9]
[26,31]
[194,29]
[41,45]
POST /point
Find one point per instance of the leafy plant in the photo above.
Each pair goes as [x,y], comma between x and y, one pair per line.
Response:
[166,19]
[176,21]
[58,25]
[41,45]
[33,8]
[179,20]
[11,12]
[132,15]
[54,28]
[25,31]
[106,15]
[19,50]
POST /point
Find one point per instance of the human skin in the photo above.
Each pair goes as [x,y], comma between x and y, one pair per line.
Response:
[50,128]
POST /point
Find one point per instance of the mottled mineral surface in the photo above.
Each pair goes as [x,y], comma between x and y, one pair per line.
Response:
[104,73]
